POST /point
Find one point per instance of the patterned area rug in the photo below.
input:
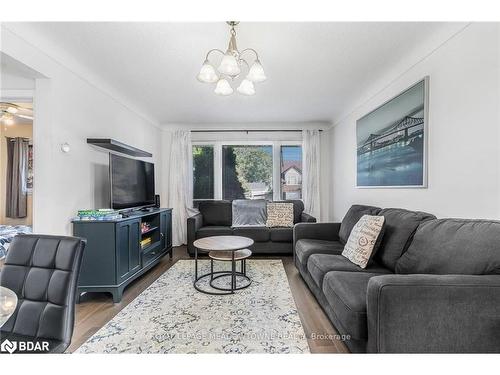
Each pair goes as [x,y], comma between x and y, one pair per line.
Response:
[170,316]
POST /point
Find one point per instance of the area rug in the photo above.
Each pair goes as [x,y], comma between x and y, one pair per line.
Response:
[170,316]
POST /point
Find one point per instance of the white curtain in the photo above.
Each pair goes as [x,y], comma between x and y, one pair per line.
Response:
[310,183]
[180,185]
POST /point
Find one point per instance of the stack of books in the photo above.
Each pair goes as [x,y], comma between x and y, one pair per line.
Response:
[101,214]
[146,242]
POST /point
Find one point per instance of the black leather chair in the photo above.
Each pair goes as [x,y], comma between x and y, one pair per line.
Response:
[43,272]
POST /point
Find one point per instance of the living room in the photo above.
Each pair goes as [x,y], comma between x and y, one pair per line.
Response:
[261,186]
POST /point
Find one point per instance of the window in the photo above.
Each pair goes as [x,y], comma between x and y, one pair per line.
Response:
[292,178]
[247,172]
[291,172]
[203,172]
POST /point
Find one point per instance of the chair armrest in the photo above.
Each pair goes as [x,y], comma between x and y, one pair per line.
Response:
[194,223]
[306,218]
[433,313]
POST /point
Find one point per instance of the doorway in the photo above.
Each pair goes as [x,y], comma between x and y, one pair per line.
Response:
[17,177]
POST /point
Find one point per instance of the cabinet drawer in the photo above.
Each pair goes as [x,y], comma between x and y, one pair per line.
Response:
[151,255]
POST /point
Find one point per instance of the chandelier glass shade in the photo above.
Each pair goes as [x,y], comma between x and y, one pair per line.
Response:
[246,87]
[223,87]
[207,73]
[231,67]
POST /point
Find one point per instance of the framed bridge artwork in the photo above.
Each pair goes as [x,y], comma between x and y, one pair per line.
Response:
[392,141]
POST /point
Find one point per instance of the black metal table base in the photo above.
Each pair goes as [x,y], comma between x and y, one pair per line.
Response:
[229,274]
[214,275]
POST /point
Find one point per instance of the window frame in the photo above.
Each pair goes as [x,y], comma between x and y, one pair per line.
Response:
[276,145]
[194,144]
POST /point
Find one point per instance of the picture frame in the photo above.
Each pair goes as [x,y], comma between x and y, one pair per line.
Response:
[392,141]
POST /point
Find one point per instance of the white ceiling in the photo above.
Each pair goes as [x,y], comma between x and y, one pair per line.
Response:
[316,71]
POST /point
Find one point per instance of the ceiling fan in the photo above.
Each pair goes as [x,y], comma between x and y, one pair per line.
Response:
[9,111]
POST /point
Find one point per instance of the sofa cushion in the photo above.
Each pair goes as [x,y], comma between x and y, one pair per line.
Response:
[400,226]
[216,212]
[249,213]
[298,208]
[352,217]
[454,246]
[319,265]
[213,230]
[305,248]
[258,234]
[282,234]
[346,292]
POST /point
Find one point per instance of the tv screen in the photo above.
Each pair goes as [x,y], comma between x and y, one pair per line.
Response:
[132,182]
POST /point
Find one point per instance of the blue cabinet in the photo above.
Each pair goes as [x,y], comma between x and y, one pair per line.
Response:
[166,228]
[128,249]
[120,251]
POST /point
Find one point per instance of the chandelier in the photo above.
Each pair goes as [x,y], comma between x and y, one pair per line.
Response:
[231,67]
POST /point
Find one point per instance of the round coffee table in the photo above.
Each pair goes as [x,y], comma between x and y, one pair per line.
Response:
[220,248]
[8,303]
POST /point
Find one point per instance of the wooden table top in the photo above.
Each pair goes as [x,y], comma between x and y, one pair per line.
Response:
[223,243]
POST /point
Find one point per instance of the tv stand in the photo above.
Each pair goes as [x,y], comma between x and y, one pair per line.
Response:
[119,251]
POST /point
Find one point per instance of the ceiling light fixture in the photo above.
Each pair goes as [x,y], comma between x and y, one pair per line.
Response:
[7,119]
[9,108]
[13,109]
[231,67]
[9,112]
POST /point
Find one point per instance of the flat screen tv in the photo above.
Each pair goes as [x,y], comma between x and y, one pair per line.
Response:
[132,182]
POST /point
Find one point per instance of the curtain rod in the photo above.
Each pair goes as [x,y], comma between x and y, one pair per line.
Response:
[249,131]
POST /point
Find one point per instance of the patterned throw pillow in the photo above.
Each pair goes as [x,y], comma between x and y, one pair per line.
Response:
[279,215]
[364,240]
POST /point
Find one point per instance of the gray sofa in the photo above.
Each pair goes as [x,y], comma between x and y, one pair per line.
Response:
[433,285]
[215,218]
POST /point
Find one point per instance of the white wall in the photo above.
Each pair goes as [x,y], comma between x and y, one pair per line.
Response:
[10,81]
[464,135]
[70,109]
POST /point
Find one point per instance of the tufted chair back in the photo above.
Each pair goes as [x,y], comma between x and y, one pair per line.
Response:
[43,272]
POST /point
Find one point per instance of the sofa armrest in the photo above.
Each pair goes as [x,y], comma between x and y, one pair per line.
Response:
[193,224]
[433,313]
[306,218]
[316,231]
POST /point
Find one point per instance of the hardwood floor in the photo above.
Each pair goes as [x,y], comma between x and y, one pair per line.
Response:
[96,309]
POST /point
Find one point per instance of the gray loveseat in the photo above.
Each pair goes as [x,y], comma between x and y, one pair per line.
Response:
[433,285]
[215,219]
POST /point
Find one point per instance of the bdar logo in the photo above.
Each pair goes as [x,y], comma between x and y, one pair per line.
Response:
[8,346]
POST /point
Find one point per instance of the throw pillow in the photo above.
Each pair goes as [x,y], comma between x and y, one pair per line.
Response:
[279,215]
[249,213]
[364,240]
